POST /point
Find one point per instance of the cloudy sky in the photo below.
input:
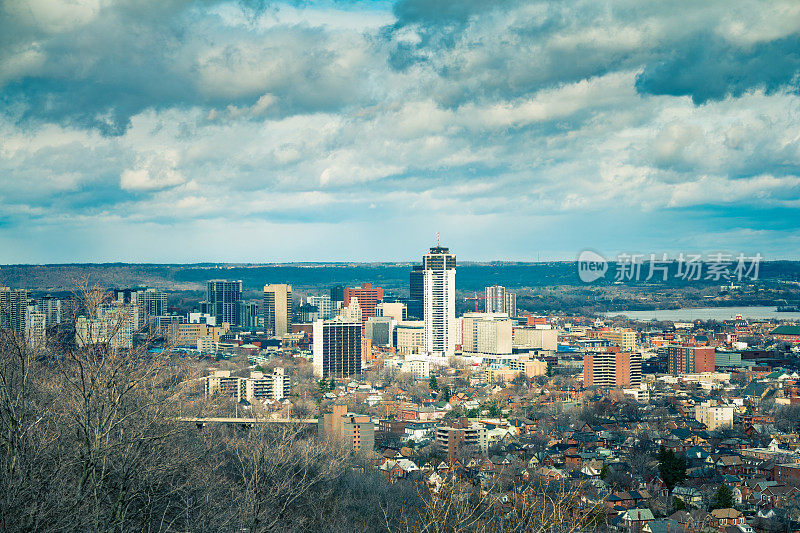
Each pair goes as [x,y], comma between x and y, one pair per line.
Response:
[251,130]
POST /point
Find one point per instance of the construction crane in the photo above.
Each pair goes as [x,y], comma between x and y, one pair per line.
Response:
[476,298]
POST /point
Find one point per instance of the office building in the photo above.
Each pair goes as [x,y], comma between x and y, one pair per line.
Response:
[179,334]
[337,293]
[416,293]
[486,333]
[337,348]
[623,369]
[378,330]
[160,324]
[356,431]
[224,301]
[13,308]
[323,304]
[690,359]
[395,310]
[409,337]
[624,338]
[439,282]
[368,297]
[202,318]
[499,300]
[251,315]
[536,338]
[714,416]
[308,313]
[278,309]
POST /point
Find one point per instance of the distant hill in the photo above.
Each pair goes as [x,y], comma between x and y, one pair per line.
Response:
[391,276]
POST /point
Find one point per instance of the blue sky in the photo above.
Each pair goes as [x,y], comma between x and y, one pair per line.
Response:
[184,131]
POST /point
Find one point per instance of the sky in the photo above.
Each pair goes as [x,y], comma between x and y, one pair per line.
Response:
[260,131]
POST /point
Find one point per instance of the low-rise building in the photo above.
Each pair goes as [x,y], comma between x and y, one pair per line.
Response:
[357,431]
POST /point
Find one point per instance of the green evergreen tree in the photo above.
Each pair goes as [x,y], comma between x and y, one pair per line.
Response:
[671,467]
[678,504]
[433,384]
[723,498]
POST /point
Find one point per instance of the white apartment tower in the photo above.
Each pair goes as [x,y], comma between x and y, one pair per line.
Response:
[499,300]
[439,286]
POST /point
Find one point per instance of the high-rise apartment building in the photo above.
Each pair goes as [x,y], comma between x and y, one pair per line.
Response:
[149,302]
[35,327]
[461,434]
[499,300]
[368,297]
[278,309]
[13,308]
[52,309]
[690,359]
[623,369]
[224,301]
[114,325]
[337,348]
[439,283]
[487,333]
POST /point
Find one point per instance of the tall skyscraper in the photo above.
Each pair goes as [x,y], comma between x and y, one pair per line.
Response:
[13,308]
[278,309]
[337,348]
[224,301]
[416,293]
[439,284]
[368,297]
[499,300]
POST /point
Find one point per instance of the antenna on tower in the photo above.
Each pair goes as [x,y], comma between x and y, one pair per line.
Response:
[437,238]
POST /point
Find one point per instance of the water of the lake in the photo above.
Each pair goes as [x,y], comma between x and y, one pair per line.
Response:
[707,313]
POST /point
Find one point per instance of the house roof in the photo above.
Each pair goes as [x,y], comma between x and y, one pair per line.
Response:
[786,330]
[727,513]
[636,515]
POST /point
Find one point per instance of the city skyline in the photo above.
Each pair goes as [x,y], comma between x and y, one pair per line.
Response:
[286,132]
